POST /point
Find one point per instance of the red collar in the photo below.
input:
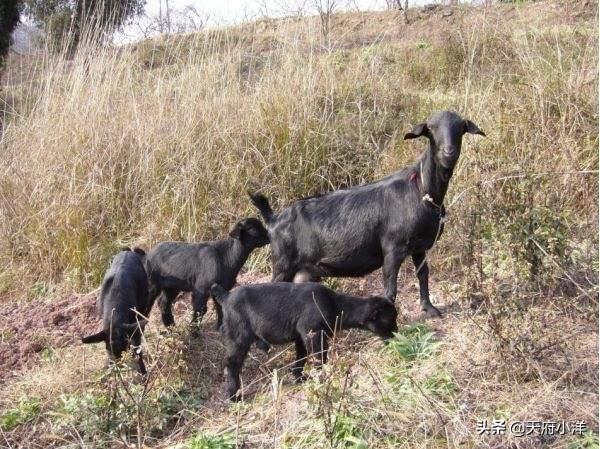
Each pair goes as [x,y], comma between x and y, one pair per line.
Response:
[415,177]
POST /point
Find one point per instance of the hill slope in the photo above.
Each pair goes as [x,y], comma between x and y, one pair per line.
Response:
[160,140]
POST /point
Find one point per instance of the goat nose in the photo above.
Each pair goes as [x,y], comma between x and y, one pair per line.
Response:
[449,150]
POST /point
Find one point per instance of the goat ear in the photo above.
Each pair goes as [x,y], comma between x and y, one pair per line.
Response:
[139,251]
[236,232]
[418,130]
[472,128]
[95,338]
[218,292]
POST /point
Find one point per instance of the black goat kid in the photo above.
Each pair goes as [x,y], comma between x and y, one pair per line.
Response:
[284,312]
[123,304]
[353,232]
[175,267]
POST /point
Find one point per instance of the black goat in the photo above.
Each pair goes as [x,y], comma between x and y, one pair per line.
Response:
[284,312]
[123,304]
[353,232]
[175,267]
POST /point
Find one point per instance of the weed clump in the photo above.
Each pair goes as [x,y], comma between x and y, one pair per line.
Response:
[26,410]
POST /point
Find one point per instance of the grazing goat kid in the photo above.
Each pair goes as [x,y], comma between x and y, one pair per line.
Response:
[175,267]
[355,231]
[123,304]
[284,312]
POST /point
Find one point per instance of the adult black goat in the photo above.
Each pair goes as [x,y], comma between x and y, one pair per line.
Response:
[354,231]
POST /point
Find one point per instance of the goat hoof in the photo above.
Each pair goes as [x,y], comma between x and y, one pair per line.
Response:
[432,312]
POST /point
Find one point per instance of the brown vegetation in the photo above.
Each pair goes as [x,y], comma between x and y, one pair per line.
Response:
[160,140]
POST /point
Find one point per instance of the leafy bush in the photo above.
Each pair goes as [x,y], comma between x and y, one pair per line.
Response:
[87,412]
[26,410]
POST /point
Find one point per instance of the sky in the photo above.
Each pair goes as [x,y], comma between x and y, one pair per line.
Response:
[226,12]
[216,13]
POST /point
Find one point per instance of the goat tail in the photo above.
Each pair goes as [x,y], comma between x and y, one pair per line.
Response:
[218,293]
[262,204]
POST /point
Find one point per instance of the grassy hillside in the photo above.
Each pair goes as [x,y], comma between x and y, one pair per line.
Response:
[162,139]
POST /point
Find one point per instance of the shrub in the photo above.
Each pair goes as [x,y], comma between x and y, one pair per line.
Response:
[26,410]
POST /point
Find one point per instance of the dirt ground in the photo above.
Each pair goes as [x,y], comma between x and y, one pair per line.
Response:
[28,328]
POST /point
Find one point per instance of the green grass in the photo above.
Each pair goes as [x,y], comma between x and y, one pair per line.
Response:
[412,343]
[39,289]
[211,441]
[440,384]
[347,432]
[589,440]
[108,410]
[26,410]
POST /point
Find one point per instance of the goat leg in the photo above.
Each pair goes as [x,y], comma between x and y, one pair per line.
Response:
[298,367]
[422,272]
[166,306]
[233,366]
[199,300]
[391,265]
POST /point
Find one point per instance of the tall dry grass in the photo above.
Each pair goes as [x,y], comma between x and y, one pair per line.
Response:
[161,140]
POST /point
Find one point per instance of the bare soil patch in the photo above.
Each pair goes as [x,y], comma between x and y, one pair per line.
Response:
[27,328]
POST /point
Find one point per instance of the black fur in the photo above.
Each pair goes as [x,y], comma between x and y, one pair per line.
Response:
[285,312]
[123,304]
[175,267]
[355,231]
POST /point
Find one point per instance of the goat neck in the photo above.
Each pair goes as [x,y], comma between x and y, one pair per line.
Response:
[234,254]
[434,177]
[351,311]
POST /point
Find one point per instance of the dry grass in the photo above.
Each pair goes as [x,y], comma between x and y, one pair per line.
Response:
[161,140]
[367,396]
